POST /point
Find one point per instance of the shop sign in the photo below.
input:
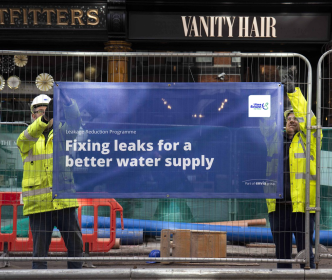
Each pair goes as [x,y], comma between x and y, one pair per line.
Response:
[223,27]
[53,17]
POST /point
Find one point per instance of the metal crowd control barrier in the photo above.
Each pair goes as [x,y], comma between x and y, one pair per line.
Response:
[324,163]
[9,242]
[164,67]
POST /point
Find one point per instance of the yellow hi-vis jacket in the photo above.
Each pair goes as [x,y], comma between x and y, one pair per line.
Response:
[297,160]
[37,159]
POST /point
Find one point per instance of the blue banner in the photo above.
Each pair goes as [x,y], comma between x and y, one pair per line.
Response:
[159,140]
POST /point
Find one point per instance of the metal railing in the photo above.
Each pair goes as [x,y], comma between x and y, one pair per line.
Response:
[162,67]
[322,111]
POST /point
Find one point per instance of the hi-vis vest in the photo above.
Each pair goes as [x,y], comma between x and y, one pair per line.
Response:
[297,161]
[37,159]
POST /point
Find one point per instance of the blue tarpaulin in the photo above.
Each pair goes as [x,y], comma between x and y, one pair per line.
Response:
[159,140]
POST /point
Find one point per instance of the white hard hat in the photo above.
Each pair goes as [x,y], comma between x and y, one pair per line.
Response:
[40,100]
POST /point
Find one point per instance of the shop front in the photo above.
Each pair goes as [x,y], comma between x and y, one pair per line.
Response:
[190,41]
[164,26]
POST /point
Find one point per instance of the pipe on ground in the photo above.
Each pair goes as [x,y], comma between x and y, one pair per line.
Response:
[132,236]
[234,233]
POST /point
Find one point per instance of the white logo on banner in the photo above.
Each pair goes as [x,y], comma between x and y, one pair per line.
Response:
[259,106]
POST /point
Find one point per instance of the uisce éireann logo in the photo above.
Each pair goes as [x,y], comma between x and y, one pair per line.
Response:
[265,106]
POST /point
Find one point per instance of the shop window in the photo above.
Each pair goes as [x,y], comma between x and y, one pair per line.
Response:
[204,60]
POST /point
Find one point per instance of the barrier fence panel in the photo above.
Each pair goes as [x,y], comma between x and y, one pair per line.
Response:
[323,111]
[224,230]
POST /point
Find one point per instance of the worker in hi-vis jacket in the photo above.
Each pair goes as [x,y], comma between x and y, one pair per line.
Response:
[43,209]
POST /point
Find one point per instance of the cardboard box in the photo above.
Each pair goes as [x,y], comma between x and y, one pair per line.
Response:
[193,244]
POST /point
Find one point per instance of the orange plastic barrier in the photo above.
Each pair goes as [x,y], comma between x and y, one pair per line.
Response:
[9,242]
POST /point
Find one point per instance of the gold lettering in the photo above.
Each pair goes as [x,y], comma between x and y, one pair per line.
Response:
[270,26]
[220,20]
[230,26]
[245,28]
[92,16]
[262,27]
[48,15]
[254,28]
[2,11]
[78,17]
[205,26]
[194,28]
[12,15]
[211,26]
[60,17]
[34,12]
[185,25]
[25,16]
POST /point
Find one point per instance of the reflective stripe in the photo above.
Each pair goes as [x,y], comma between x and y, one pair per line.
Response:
[31,157]
[303,134]
[302,144]
[299,155]
[302,155]
[300,120]
[37,192]
[315,134]
[29,137]
[302,176]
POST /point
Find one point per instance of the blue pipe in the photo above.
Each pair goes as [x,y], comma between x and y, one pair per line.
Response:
[133,236]
[103,222]
[153,228]
[325,237]
[234,234]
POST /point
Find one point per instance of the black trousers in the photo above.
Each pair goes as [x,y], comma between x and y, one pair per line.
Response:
[284,223]
[42,225]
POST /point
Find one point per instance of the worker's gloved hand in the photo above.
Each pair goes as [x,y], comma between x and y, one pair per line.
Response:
[49,111]
[288,80]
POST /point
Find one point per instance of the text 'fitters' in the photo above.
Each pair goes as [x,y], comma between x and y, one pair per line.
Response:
[48,16]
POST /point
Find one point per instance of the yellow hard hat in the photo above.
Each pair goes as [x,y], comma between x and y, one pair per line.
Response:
[287,112]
